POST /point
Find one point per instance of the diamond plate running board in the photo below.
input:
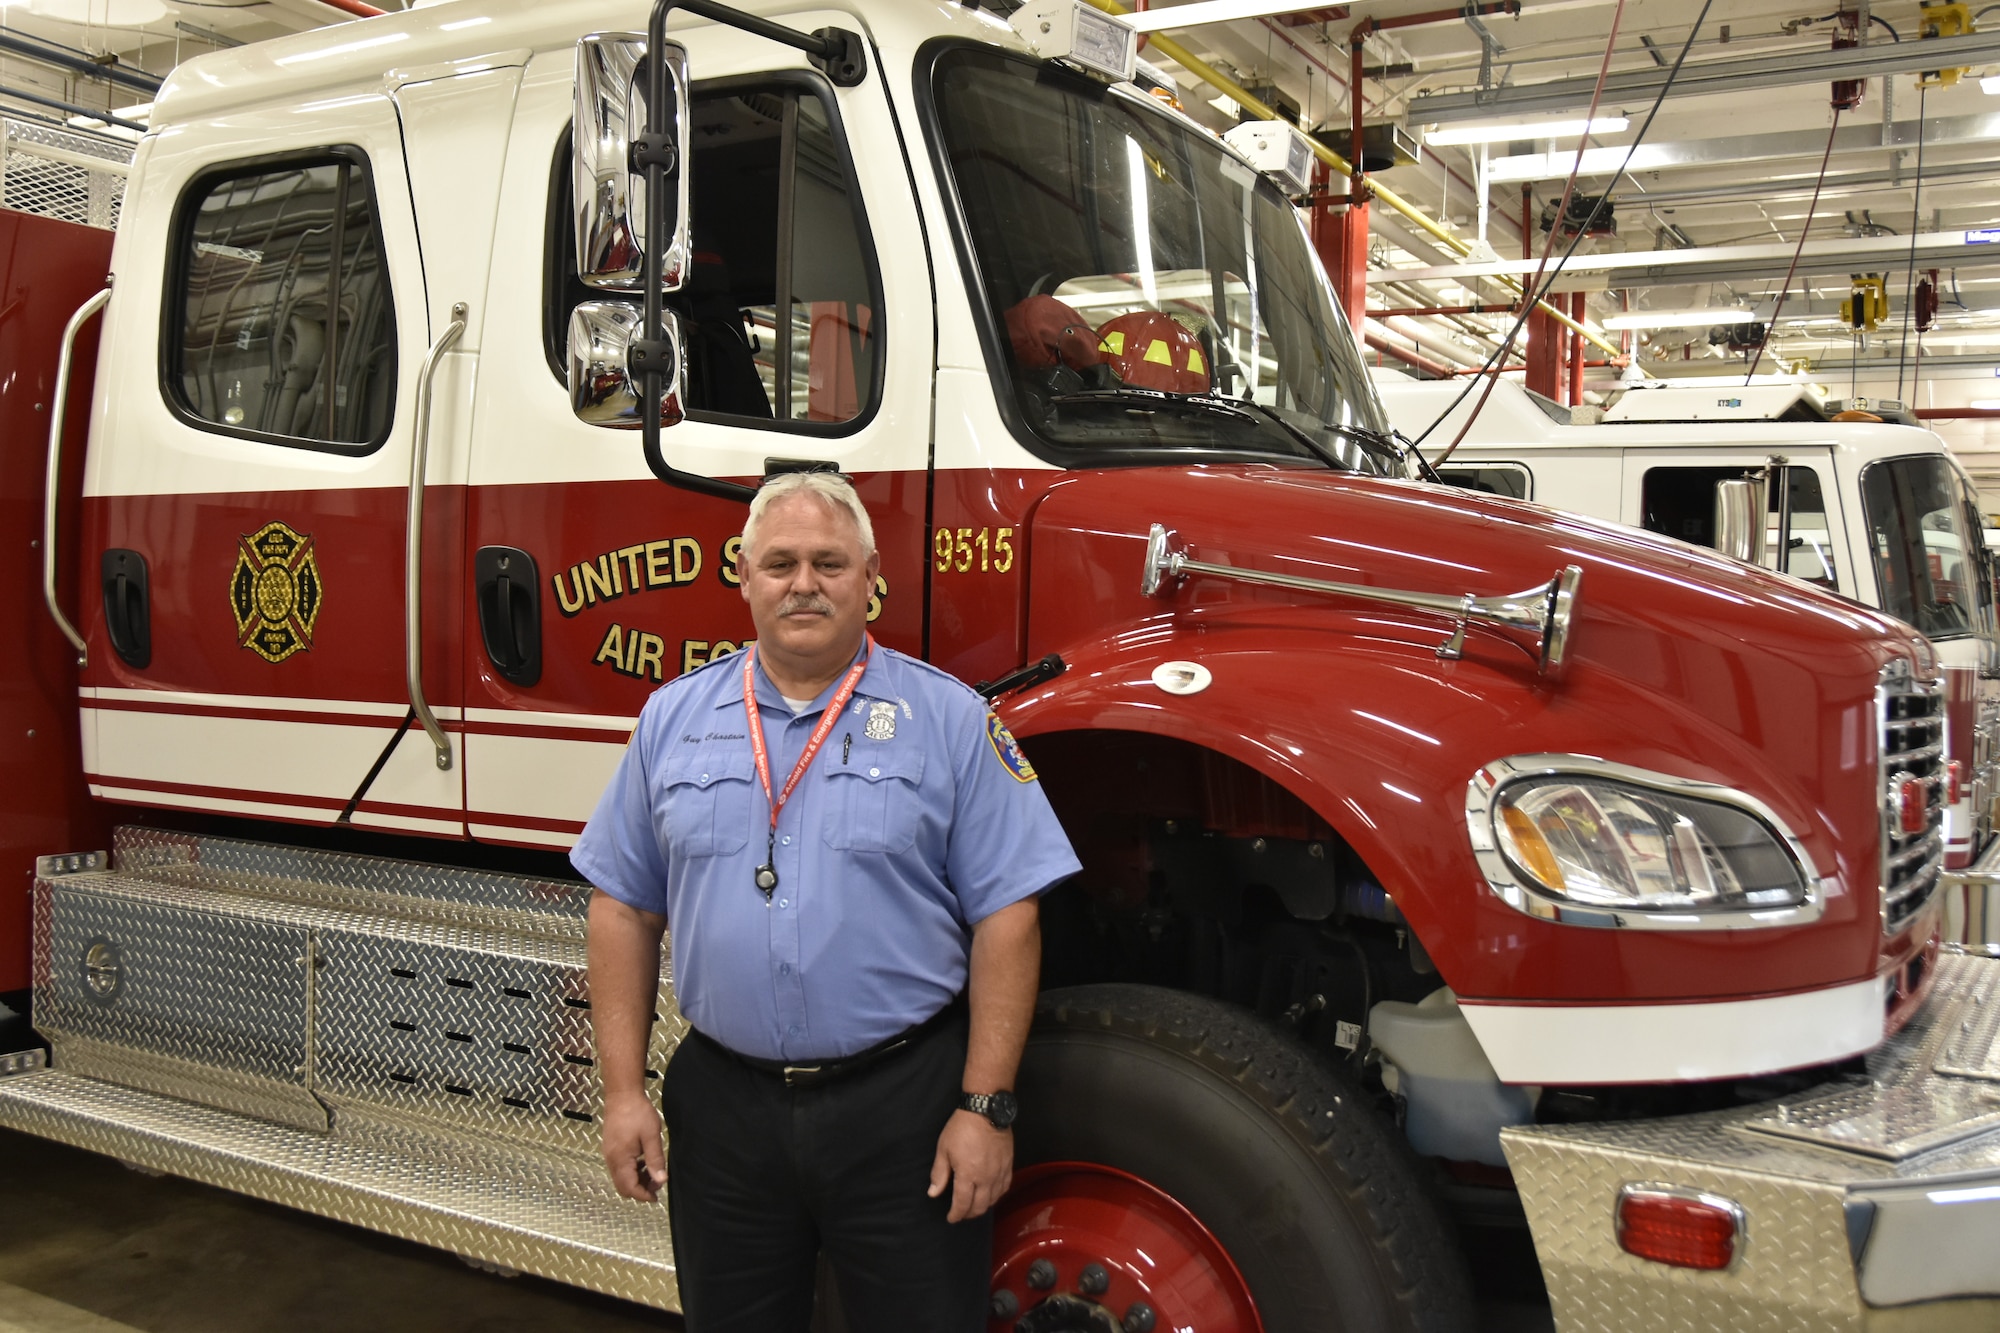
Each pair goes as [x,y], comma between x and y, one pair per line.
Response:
[544,1213]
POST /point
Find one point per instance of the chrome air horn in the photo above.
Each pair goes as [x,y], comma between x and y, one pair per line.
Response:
[1544,610]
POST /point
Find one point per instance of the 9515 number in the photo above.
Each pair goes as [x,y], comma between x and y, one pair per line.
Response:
[960,550]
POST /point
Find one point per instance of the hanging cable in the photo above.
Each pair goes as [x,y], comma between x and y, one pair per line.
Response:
[1533,290]
[1771,329]
[1489,372]
[1916,216]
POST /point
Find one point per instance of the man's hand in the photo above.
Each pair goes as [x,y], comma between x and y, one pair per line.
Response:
[974,1158]
[634,1150]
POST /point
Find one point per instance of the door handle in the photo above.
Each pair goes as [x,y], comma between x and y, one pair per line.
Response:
[128,616]
[508,589]
[52,484]
[413,541]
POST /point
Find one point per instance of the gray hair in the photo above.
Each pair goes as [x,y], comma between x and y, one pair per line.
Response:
[831,489]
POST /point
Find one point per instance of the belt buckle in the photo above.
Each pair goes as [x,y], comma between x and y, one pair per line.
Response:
[795,1075]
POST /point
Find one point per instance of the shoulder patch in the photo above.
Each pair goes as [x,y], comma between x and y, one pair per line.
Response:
[1007,749]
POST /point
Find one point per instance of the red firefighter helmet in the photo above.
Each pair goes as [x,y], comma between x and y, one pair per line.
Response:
[1151,350]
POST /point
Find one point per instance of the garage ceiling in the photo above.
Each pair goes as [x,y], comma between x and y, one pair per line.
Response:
[1707,217]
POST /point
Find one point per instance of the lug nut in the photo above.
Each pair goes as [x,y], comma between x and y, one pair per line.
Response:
[1004,1305]
[1138,1319]
[1041,1275]
[1093,1280]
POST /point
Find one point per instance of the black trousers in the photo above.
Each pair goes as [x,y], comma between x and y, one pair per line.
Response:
[761,1177]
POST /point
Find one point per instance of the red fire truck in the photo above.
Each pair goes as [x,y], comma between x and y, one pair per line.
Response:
[1450,862]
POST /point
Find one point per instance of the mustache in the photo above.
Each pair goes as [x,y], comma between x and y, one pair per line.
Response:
[805,602]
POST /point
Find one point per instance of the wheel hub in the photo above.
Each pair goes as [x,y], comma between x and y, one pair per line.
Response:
[1083,1248]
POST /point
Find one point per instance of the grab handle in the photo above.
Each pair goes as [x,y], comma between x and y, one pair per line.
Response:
[52,485]
[413,558]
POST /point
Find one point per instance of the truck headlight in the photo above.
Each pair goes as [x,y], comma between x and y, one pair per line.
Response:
[1593,843]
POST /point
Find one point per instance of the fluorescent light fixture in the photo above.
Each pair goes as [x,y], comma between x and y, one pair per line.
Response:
[1212,11]
[1679,319]
[1547,129]
[1990,84]
[1985,404]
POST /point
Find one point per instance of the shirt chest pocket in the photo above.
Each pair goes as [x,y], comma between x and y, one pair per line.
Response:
[875,803]
[705,803]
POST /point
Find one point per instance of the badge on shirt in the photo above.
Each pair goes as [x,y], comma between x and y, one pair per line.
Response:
[881,725]
[1008,749]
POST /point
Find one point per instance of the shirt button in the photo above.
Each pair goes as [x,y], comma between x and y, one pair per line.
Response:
[874,772]
[784,902]
[792,1031]
[704,777]
[787,840]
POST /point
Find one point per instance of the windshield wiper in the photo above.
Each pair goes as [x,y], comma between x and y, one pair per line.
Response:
[1153,400]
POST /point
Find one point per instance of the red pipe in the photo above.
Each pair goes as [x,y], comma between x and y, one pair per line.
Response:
[1381,343]
[1957,413]
[355,7]
[1576,308]
[1441,15]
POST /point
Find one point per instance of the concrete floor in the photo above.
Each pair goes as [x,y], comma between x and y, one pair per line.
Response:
[88,1246]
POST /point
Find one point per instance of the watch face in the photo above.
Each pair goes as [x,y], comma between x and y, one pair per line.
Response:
[1001,1109]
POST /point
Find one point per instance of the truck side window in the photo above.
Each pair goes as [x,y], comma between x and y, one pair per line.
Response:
[1797,538]
[1508,479]
[780,310]
[279,319]
[1680,502]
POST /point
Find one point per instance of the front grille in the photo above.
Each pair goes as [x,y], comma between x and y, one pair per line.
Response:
[1911,713]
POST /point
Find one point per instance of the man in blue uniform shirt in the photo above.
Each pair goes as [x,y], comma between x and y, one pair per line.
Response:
[849,849]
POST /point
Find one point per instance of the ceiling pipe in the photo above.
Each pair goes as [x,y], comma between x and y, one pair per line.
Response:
[101,117]
[1957,413]
[62,58]
[1242,96]
[1382,344]
[1396,311]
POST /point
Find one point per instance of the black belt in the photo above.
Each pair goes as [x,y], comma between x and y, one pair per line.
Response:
[801,1076]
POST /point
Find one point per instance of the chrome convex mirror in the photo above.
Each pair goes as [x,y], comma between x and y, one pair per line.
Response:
[602,390]
[610,197]
[1739,518]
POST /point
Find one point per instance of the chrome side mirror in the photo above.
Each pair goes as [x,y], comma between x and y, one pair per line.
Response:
[601,390]
[609,196]
[1739,518]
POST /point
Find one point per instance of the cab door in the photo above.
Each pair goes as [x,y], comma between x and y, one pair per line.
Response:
[248,482]
[807,319]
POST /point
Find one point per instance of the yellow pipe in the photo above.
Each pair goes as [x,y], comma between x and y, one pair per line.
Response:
[1229,88]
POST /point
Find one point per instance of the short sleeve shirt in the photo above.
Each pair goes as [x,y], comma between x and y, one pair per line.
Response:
[919,818]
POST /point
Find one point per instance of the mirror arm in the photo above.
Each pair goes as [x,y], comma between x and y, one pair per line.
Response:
[837,53]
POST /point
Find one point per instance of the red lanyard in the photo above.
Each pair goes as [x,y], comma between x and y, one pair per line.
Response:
[767,874]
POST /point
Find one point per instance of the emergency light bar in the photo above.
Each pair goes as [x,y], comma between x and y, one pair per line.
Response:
[1080,36]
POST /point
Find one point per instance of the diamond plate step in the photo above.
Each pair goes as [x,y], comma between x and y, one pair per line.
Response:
[549,1214]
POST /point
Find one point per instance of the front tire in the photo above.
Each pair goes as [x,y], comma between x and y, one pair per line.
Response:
[1193,1119]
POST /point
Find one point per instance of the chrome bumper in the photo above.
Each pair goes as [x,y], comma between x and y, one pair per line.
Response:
[1972,899]
[1869,1205]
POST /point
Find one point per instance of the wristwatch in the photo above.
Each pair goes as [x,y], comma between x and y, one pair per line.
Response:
[998,1107]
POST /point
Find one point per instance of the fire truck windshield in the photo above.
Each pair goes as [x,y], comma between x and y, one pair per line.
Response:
[1148,293]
